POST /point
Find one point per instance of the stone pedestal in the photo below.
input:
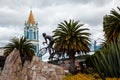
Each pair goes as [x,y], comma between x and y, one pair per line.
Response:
[34,70]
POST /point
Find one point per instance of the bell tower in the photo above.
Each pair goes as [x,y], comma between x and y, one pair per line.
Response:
[31,32]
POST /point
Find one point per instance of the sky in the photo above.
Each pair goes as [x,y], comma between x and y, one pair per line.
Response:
[49,13]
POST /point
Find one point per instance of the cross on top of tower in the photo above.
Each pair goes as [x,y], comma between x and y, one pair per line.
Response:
[31,19]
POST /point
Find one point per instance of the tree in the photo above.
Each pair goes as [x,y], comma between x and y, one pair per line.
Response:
[111,25]
[71,38]
[23,45]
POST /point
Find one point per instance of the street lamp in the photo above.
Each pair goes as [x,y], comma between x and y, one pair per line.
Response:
[95,42]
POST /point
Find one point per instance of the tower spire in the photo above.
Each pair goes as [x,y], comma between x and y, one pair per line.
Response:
[31,19]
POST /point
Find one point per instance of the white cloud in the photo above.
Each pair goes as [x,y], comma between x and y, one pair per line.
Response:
[7,33]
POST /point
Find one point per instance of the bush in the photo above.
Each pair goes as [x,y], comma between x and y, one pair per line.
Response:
[88,61]
[107,63]
[80,76]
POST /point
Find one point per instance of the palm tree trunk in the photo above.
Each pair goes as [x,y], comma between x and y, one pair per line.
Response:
[72,68]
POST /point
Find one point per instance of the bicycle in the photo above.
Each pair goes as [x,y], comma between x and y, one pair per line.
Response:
[44,50]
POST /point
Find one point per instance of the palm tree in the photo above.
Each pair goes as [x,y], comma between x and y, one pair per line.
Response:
[23,45]
[111,25]
[71,38]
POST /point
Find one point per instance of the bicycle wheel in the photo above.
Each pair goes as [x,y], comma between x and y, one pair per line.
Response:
[42,52]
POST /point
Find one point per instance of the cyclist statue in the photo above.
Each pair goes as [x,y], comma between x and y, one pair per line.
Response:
[51,42]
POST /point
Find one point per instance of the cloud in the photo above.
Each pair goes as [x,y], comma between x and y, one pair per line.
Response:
[50,2]
[7,33]
[49,14]
[43,3]
[52,15]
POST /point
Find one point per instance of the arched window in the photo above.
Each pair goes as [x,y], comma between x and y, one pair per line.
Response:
[34,34]
[37,35]
[27,34]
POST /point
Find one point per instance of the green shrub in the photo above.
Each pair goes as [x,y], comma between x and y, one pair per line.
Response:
[107,62]
[88,61]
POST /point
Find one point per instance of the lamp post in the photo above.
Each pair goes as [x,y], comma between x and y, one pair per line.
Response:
[95,43]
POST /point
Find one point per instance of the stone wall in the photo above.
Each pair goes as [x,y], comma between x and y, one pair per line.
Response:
[34,70]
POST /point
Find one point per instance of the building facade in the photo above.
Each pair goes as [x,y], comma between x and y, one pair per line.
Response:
[31,32]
